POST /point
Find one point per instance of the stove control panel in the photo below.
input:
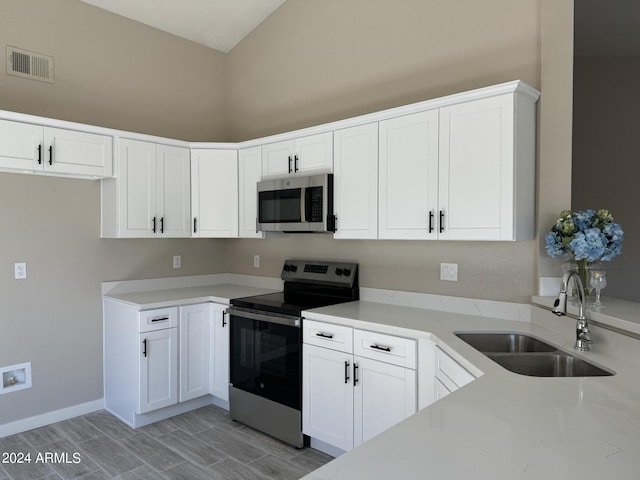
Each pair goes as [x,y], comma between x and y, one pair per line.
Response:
[321,272]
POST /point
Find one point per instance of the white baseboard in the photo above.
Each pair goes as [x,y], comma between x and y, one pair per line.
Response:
[50,417]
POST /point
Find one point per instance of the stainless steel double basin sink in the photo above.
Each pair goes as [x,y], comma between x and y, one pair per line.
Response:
[528,355]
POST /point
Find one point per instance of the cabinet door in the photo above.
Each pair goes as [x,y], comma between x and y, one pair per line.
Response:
[384,395]
[313,154]
[21,146]
[173,192]
[137,188]
[355,181]
[409,177]
[215,194]
[277,159]
[440,390]
[77,153]
[220,369]
[327,396]
[195,350]
[250,173]
[158,369]
[477,169]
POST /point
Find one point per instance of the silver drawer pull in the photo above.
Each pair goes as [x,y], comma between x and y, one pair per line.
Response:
[381,347]
[324,335]
[159,319]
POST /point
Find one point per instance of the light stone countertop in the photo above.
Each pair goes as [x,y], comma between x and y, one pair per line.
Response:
[170,297]
[501,426]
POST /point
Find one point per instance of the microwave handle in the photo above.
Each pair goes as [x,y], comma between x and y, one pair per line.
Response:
[303,204]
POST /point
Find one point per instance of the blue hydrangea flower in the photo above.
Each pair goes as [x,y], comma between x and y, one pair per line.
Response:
[588,234]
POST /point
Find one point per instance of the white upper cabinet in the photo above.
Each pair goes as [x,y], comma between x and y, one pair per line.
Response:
[409,176]
[21,146]
[480,196]
[173,193]
[249,174]
[464,171]
[355,181]
[55,151]
[151,195]
[214,196]
[302,156]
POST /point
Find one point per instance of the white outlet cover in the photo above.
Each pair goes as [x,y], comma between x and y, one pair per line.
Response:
[177,261]
[449,272]
[256,261]
[20,271]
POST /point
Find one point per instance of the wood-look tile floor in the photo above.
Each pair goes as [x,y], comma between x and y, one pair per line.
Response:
[202,444]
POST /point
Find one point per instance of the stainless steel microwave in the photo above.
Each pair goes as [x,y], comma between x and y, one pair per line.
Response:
[296,204]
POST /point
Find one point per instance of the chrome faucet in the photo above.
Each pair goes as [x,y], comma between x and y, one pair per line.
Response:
[583,334]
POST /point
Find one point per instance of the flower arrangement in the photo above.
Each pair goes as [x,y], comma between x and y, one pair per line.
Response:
[589,236]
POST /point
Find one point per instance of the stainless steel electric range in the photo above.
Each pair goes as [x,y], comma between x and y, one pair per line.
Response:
[265,390]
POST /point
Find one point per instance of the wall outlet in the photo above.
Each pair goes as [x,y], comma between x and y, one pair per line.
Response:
[20,271]
[177,261]
[256,261]
[449,272]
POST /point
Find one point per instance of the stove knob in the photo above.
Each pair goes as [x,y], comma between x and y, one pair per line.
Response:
[347,272]
[294,268]
[339,272]
[286,267]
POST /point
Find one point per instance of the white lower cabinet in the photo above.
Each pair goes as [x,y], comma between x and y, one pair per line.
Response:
[327,396]
[164,357]
[383,396]
[220,356]
[348,399]
[158,369]
[195,350]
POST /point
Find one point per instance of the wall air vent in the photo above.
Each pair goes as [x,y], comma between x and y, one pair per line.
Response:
[25,64]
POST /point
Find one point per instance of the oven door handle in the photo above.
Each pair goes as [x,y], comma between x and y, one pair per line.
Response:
[287,320]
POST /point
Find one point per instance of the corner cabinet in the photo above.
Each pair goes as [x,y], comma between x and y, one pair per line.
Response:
[214,194]
[464,171]
[307,155]
[26,147]
[355,181]
[151,195]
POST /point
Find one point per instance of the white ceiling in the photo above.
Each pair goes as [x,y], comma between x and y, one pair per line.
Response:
[218,24]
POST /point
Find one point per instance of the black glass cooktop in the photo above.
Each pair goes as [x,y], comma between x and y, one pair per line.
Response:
[287,303]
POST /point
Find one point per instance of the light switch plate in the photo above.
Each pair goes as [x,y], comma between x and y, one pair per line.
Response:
[177,261]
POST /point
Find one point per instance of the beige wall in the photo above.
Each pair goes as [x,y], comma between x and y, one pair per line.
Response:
[311,62]
[340,58]
[110,72]
[113,72]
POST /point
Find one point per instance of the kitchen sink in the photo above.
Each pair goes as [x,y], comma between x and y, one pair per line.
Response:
[527,355]
[558,364]
[505,342]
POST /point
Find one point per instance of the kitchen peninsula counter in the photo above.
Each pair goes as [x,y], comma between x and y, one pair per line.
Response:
[501,425]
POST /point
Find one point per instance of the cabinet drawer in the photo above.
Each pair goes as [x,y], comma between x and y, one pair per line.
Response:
[158,319]
[386,348]
[335,337]
[450,372]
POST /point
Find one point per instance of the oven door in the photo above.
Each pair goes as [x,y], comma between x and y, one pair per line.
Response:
[265,356]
